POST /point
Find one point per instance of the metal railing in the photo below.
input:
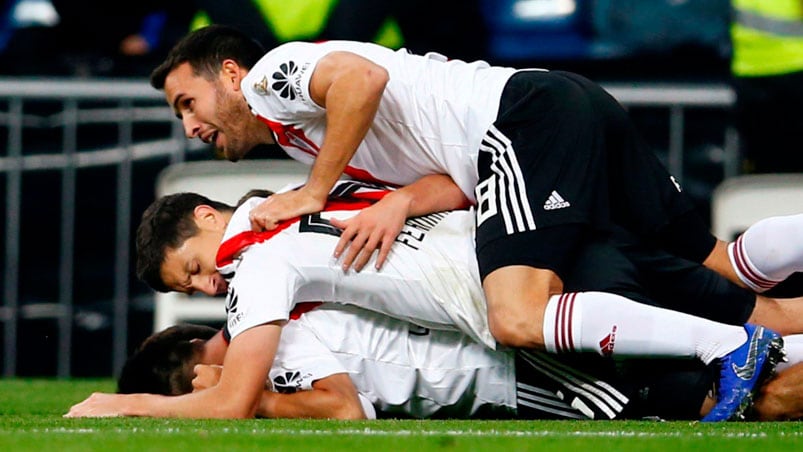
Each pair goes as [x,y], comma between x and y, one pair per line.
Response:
[135,102]
[124,113]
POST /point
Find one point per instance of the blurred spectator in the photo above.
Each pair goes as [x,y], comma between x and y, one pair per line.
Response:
[767,68]
[454,28]
[95,37]
[246,15]
[101,38]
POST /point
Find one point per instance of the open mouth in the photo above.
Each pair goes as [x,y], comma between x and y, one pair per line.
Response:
[211,138]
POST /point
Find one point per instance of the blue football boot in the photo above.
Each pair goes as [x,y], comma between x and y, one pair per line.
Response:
[742,372]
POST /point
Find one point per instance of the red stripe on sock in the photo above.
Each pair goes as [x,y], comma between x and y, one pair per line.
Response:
[741,264]
[572,298]
[557,325]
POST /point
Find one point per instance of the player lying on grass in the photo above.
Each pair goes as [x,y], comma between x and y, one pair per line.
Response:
[363,348]
[428,269]
[343,362]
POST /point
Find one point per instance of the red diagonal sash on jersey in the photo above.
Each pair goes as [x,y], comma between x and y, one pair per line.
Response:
[231,248]
[294,137]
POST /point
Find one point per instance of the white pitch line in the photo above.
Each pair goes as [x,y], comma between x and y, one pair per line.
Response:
[391,433]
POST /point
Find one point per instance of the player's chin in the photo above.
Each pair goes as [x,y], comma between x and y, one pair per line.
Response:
[232,152]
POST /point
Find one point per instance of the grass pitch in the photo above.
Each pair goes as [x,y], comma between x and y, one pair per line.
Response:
[31,419]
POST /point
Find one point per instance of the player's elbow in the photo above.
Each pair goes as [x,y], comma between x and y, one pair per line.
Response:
[376,77]
[348,411]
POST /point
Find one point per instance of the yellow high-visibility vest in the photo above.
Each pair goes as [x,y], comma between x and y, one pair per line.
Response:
[767,37]
[305,19]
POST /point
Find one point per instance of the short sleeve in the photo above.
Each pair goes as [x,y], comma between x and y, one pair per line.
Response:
[301,360]
[277,87]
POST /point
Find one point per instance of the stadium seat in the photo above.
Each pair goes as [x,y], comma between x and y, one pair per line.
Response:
[221,181]
[740,201]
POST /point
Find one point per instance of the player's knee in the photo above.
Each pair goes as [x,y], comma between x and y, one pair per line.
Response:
[522,331]
[773,401]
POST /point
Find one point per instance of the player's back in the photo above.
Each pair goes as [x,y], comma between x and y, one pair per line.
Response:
[401,368]
[430,278]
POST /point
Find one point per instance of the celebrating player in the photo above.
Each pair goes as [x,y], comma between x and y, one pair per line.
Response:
[550,159]
[430,281]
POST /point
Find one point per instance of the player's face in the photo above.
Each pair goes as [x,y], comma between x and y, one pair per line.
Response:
[215,112]
[191,267]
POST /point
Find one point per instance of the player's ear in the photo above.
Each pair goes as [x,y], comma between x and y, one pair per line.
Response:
[232,73]
[207,216]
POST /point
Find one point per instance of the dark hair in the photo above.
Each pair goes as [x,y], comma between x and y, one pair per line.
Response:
[205,49]
[254,192]
[164,363]
[166,224]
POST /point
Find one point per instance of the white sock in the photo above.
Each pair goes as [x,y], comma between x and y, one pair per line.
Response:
[610,324]
[793,345]
[768,252]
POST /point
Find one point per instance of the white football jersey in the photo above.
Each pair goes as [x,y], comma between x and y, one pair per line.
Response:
[431,120]
[431,278]
[402,369]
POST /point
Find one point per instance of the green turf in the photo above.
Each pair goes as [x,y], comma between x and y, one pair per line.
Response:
[30,419]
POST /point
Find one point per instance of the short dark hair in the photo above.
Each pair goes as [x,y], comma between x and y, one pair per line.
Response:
[205,49]
[166,224]
[254,193]
[163,363]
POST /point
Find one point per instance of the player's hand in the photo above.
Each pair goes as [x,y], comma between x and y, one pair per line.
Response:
[206,376]
[282,206]
[98,405]
[374,227]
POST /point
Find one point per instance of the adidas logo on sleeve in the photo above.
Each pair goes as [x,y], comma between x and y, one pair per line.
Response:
[555,201]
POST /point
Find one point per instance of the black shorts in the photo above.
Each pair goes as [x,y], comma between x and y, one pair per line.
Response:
[622,264]
[591,387]
[563,161]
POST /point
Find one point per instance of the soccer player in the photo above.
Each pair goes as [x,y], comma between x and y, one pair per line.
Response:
[549,158]
[430,281]
[344,362]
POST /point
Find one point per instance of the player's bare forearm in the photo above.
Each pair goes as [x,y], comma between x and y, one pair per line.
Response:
[350,88]
[433,193]
[333,397]
[379,225]
[236,396]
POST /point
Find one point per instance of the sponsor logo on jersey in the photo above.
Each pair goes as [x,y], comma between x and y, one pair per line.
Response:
[289,382]
[607,343]
[555,201]
[231,301]
[234,317]
[261,87]
[281,80]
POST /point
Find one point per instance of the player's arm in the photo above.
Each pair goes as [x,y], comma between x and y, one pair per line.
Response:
[379,225]
[350,88]
[332,397]
[237,395]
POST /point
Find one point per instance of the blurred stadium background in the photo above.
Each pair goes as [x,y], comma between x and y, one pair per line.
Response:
[83,138]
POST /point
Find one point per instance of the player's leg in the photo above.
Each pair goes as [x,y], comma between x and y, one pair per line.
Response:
[648,201]
[783,315]
[768,252]
[544,146]
[781,398]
